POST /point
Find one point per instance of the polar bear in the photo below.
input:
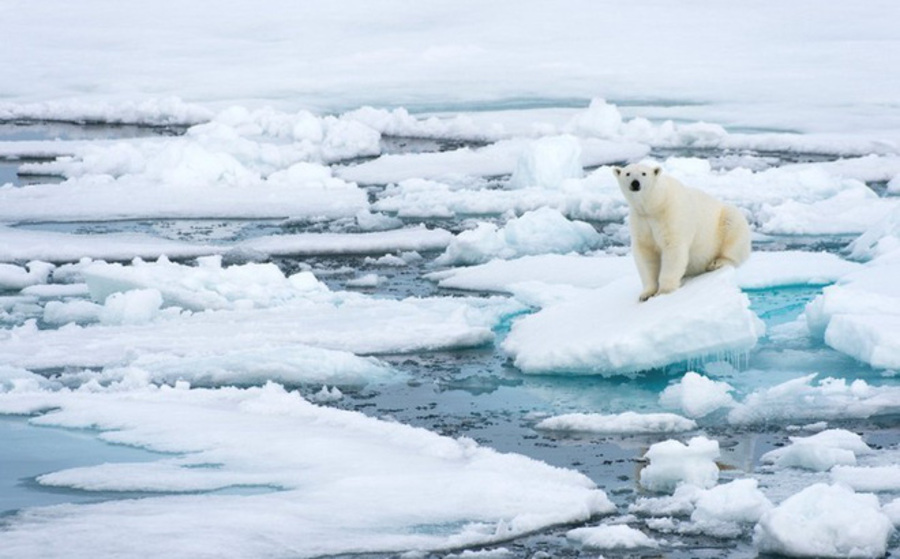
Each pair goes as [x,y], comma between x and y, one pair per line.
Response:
[678,231]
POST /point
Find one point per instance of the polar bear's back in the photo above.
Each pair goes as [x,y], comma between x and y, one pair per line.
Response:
[710,220]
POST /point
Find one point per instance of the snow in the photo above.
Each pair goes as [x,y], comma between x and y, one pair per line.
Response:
[696,395]
[820,452]
[537,232]
[825,521]
[607,331]
[610,537]
[623,423]
[672,463]
[306,455]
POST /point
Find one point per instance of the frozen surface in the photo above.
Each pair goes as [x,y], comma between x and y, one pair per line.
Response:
[271,437]
[819,452]
[607,331]
[696,395]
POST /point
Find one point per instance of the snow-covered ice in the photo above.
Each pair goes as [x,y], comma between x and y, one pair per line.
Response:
[697,395]
[623,423]
[672,463]
[825,521]
[323,498]
[607,331]
[819,452]
[611,537]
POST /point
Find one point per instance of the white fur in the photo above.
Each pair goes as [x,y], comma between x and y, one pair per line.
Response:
[677,231]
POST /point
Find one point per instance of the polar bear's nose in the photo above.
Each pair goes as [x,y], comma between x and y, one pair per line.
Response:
[635,185]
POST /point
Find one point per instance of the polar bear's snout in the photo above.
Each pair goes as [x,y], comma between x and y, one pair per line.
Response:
[635,185]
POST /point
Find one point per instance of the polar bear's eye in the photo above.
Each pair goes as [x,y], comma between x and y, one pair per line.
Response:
[645,174]
[627,174]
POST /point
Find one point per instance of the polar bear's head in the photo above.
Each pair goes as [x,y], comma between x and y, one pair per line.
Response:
[636,180]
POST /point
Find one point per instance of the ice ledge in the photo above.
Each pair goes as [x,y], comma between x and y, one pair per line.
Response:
[607,332]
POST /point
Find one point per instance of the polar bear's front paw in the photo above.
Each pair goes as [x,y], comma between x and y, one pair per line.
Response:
[646,295]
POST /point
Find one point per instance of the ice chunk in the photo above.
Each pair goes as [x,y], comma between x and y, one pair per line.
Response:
[407,239]
[868,478]
[892,510]
[541,231]
[609,537]
[825,521]
[548,162]
[324,499]
[819,452]
[16,278]
[673,463]
[696,395]
[624,423]
[596,197]
[365,281]
[607,331]
[849,211]
[135,306]
[860,315]
[880,238]
[722,510]
[802,398]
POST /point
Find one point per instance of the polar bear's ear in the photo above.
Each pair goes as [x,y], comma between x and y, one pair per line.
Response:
[657,171]
[617,171]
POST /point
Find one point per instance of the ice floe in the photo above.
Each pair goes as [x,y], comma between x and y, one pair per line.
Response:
[696,395]
[672,463]
[623,423]
[860,315]
[819,452]
[538,232]
[611,537]
[607,331]
[825,521]
[306,455]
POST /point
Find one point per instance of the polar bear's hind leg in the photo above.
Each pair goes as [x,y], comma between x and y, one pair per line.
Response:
[735,235]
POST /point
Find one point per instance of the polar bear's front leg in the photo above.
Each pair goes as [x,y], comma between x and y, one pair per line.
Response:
[647,260]
[673,265]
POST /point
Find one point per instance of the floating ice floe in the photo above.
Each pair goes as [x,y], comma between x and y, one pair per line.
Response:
[762,270]
[315,496]
[803,398]
[596,197]
[697,395]
[18,244]
[623,423]
[819,452]
[607,331]
[611,537]
[868,478]
[16,278]
[536,232]
[500,158]
[825,521]
[860,315]
[673,463]
[166,309]
[879,239]
[723,511]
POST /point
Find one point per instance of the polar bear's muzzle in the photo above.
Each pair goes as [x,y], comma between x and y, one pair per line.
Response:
[635,185]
